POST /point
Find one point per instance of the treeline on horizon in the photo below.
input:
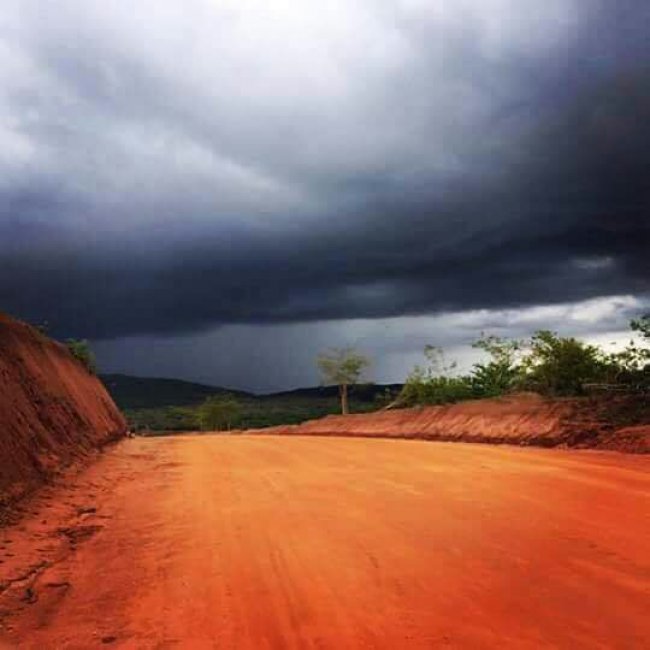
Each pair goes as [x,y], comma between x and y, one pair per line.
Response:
[546,363]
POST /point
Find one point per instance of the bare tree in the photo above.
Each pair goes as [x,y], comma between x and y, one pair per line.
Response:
[343,367]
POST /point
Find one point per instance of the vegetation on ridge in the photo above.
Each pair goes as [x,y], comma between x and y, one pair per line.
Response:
[342,367]
[546,363]
[80,350]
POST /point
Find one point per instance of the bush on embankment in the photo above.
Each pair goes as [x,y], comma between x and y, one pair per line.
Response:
[547,364]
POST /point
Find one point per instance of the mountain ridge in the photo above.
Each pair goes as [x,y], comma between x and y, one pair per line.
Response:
[135,392]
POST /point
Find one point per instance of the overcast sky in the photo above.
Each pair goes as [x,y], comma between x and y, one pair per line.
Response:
[216,190]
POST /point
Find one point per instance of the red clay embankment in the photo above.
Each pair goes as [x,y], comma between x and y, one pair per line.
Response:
[620,424]
[52,410]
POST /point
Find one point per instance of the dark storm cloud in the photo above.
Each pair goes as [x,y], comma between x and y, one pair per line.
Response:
[173,169]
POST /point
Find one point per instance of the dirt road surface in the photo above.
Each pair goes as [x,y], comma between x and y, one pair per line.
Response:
[255,542]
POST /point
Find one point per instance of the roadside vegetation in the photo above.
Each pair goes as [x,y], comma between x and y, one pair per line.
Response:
[546,363]
[218,413]
[342,367]
[257,412]
[80,350]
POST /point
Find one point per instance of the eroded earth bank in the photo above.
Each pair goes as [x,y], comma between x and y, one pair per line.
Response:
[615,422]
[53,412]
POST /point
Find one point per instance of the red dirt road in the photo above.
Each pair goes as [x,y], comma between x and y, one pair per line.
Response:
[257,542]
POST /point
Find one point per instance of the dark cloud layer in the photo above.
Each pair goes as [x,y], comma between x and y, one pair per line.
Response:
[253,165]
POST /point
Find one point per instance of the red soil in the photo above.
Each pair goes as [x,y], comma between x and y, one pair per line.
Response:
[524,419]
[52,411]
[253,542]
[281,542]
[632,439]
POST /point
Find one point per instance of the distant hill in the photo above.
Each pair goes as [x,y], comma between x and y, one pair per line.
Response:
[149,392]
[169,404]
[360,393]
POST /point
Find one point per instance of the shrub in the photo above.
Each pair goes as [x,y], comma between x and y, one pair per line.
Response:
[502,372]
[631,367]
[561,366]
[434,383]
[80,350]
[217,413]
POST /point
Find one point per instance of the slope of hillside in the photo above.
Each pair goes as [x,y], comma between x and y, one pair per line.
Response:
[156,404]
[524,419]
[131,392]
[358,393]
[52,411]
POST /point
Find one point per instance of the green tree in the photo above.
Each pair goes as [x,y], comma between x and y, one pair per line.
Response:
[631,367]
[561,366]
[501,372]
[435,382]
[642,325]
[218,413]
[80,350]
[342,367]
